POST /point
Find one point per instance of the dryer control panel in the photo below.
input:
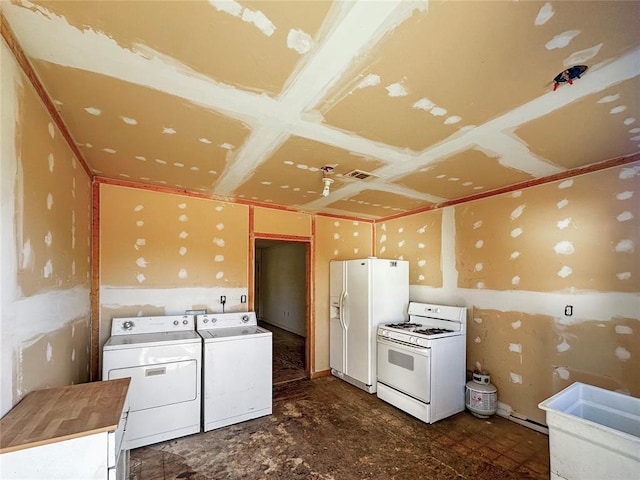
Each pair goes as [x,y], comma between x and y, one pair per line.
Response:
[155,324]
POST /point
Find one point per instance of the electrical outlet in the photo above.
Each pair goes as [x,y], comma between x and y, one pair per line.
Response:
[223,299]
[243,299]
[568,310]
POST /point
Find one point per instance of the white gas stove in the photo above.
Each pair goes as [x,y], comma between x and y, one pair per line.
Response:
[422,362]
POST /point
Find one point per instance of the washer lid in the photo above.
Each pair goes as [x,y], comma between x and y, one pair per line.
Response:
[233,333]
[116,342]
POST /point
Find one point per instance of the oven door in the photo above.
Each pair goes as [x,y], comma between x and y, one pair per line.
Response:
[405,368]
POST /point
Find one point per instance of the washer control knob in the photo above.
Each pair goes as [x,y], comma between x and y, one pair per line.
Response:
[128,325]
[185,322]
[205,320]
[176,322]
[245,318]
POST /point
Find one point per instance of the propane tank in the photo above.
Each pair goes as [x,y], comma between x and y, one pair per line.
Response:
[481,396]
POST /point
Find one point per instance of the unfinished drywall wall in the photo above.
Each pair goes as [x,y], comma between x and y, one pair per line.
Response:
[517,260]
[163,253]
[335,239]
[284,286]
[281,222]
[417,239]
[45,246]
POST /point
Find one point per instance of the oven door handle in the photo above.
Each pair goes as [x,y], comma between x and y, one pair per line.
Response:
[424,351]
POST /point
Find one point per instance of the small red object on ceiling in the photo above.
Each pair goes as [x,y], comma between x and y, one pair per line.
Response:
[569,75]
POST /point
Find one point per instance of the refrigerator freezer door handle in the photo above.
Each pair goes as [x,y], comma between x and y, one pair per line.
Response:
[343,297]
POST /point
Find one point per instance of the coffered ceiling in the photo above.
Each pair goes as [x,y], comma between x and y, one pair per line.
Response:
[438,100]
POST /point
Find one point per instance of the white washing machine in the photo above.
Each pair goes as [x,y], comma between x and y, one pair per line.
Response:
[237,372]
[163,356]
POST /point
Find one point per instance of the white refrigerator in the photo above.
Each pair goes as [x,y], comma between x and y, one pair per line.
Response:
[363,294]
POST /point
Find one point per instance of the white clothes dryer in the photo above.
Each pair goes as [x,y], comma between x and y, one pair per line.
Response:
[163,357]
[237,371]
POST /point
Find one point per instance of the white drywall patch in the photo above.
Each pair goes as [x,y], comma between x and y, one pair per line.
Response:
[109,150]
[182,273]
[562,203]
[48,269]
[204,140]
[48,239]
[624,216]
[259,20]
[219,258]
[516,232]
[564,247]
[141,262]
[623,275]
[93,111]
[624,330]
[628,172]
[49,352]
[517,212]
[629,121]
[563,346]
[183,218]
[478,340]
[514,255]
[516,325]
[479,244]
[183,235]
[169,130]
[51,162]
[477,224]
[515,347]
[421,245]
[515,280]
[583,56]
[182,251]
[299,41]
[563,373]
[219,275]
[141,158]
[453,119]
[618,109]
[565,184]
[515,378]
[139,223]
[138,208]
[478,267]
[129,120]
[140,277]
[623,354]
[562,39]
[564,223]
[422,263]
[565,271]
[370,80]
[49,201]
[625,246]
[219,242]
[396,90]
[544,15]
[609,98]
[52,130]
[424,104]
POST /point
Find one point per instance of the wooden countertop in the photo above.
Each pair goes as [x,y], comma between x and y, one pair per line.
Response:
[57,414]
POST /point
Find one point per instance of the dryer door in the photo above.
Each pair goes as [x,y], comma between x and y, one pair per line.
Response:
[160,383]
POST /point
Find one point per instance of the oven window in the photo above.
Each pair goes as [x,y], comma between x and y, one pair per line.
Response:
[401,359]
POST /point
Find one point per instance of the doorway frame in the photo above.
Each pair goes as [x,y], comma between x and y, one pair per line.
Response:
[309,343]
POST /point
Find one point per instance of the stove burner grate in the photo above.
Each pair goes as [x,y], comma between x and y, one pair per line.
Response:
[403,325]
[432,331]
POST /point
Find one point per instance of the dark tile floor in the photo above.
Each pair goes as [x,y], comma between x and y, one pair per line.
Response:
[326,429]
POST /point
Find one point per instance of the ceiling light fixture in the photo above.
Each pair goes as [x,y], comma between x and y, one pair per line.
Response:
[326,171]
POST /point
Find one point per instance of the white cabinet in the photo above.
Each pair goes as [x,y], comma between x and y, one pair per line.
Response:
[72,432]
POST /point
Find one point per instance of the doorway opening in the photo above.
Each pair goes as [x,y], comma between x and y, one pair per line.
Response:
[281,302]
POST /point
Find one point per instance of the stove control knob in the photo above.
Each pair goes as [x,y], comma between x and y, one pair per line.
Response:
[419,341]
[205,320]
[128,325]
[176,322]
[385,333]
[413,339]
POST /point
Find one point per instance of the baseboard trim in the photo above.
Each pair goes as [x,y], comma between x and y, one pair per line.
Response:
[320,374]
